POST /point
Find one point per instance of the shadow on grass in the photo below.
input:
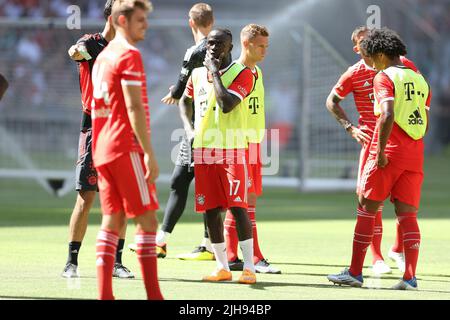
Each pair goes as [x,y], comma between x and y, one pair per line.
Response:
[436,275]
[263,285]
[258,285]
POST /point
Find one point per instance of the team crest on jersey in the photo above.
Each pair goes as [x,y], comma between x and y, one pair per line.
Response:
[92,180]
[201,199]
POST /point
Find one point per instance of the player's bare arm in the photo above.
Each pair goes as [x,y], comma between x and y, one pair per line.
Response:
[339,114]
[3,86]
[137,117]
[168,99]
[225,100]
[186,112]
[385,124]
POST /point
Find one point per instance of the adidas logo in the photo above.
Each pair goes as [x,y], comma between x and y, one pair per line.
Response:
[238,199]
[202,92]
[415,246]
[366,84]
[74,251]
[415,118]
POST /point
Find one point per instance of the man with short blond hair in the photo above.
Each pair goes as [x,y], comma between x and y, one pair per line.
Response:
[252,31]
[202,15]
[123,153]
[254,43]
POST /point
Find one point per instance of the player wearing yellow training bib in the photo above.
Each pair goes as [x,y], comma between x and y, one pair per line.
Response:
[254,43]
[394,167]
[219,149]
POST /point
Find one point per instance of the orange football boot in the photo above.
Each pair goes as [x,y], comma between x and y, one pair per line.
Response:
[247,277]
[218,275]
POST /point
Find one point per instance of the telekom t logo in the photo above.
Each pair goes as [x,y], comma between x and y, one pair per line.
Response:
[409,90]
[253,104]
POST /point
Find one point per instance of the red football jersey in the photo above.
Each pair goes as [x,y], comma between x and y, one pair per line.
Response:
[406,152]
[359,80]
[119,64]
[94,43]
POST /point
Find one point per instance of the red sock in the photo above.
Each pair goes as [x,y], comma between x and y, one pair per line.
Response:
[365,222]
[411,242]
[106,255]
[231,236]
[146,253]
[398,244]
[257,255]
[375,246]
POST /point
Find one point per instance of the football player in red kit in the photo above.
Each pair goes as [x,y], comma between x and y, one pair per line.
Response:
[122,149]
[358,79]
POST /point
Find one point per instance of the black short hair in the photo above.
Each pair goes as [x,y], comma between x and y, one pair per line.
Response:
[108,9]
[385,41]
[227,32]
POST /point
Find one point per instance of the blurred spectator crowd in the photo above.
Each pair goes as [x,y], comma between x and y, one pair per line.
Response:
[34,58]
[48,8]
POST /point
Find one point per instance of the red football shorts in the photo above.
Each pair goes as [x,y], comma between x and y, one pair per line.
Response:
[123,187]
[364,154]
[403,185]
[222,182]
[253,155]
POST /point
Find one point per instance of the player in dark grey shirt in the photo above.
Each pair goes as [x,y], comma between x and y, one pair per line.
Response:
[201,21]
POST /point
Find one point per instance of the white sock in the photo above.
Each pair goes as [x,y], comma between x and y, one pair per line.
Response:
[207,244]
[247,254]
[162,237]
[220,252]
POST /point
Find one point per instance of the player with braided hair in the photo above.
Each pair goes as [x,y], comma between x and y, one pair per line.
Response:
[396,154]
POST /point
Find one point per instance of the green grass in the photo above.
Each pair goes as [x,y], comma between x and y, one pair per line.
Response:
[307,236]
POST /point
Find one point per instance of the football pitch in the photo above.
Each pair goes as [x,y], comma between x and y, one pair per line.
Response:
[307,236]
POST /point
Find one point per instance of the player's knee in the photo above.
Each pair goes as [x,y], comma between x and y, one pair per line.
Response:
[369,205]
[178,182]
[86,198]
[213,220]
[147,222]
[112,223]
[239,214]
[401,207]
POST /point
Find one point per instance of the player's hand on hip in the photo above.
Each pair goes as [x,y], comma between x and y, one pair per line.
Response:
[151,168]
[360,136]
[382,160]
